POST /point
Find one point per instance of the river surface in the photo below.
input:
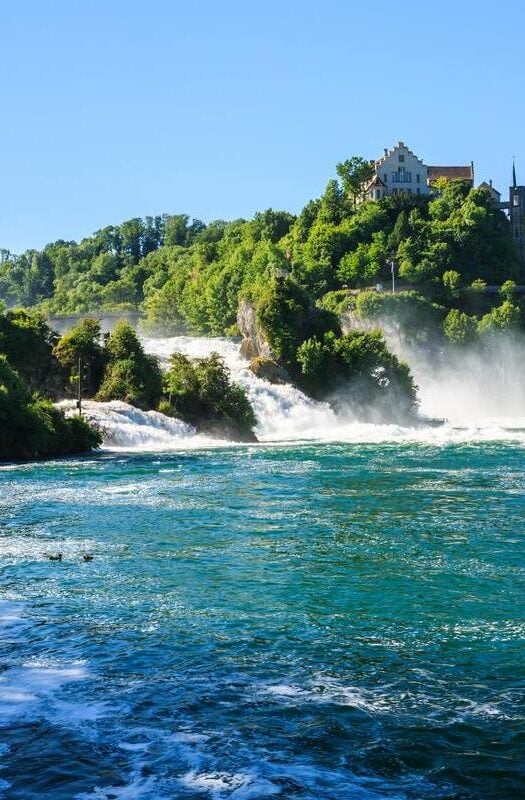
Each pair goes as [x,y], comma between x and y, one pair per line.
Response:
[308,620]
[336,612]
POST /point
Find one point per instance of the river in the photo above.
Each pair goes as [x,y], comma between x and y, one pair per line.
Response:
[336,612]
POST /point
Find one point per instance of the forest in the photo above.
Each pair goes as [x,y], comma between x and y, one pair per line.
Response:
[451,254]
[188,276]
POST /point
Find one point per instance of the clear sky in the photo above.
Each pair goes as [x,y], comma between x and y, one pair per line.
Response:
[120,108]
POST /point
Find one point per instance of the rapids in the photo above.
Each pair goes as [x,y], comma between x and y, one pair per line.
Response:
[474,408]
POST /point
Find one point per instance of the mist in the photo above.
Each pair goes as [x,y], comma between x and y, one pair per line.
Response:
[470,384]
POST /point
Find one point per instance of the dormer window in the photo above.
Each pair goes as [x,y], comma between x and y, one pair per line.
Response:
[401,158]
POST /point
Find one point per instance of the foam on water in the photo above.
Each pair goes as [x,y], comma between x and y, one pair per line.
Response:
[125,427]
[285,414]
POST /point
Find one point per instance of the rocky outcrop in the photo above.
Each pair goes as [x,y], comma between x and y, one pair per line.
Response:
[254,343]
[269,370]
[350,321]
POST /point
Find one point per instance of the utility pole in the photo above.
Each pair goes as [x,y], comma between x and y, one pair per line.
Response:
[393,271]
[79,387]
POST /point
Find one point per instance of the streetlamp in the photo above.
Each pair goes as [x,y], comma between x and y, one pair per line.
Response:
[393,273]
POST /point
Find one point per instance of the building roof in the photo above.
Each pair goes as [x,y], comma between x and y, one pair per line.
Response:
[388,153]
[376,181]
[451,173]
[490,187]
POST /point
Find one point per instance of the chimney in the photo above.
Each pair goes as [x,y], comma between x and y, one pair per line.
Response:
[385,151]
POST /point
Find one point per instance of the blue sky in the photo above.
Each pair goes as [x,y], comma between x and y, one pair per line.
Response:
[119,108]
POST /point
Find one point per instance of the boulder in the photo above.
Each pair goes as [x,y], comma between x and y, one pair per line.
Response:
[269,370]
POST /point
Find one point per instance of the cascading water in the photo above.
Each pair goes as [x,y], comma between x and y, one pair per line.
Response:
[128,428]
[463,393]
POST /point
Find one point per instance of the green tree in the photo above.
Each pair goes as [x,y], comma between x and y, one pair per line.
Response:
[35,428]
[508,290]
[82,344]
[505,317]
[459,328]
[130,374]
[354,174]
[200,392]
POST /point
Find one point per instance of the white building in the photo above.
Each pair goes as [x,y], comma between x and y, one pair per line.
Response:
[399,170]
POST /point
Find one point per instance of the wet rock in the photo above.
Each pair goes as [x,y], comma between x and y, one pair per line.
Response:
[269,370]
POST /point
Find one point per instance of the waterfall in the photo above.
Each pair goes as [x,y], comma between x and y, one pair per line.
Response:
[285,414]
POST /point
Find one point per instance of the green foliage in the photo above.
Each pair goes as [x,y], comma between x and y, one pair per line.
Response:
[27,341]
[508,290]
[354,174]
[505,317]
[82,344]
[130,375]
[188,277]
[452,281]
[35,428]
[200,392]
[287,318]
[365,265]
[418,317]
[459,328]
[362,370]
[478,285]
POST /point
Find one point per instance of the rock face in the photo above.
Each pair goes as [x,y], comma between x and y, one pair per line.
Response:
[254,343]
[351,322]
[269,370]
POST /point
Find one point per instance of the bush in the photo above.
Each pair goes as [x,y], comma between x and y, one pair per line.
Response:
[35,428]
[82,343]
[361,370]
[502,318]
[459,328]
[200,392]
[287,317]
[130,375]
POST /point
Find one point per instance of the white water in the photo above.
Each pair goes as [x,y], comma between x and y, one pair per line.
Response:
[476,401]
[125,427]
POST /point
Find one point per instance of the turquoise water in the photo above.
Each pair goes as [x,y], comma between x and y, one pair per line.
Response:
[328,621]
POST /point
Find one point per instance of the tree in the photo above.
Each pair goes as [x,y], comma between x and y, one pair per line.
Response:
[130,375]
[459,328]
[82,343]
[201,392]
[502,318]
[508,290]
[451,281]
[354,174]
[362,371]
[35,428]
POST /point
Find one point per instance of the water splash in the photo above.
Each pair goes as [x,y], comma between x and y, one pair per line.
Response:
[479,402]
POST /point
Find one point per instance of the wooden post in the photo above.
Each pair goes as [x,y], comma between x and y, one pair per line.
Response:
[79,387]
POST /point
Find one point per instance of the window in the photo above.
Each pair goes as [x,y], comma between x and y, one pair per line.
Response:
[516,200]
[401,176]
[385,176]
[418,189]
[417,177]
[401,158]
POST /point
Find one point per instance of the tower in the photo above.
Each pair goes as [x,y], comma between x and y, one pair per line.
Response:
[517,219]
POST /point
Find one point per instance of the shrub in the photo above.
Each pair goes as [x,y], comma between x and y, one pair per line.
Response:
[130,374]
[35,428]
[362,370]
[200,392]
